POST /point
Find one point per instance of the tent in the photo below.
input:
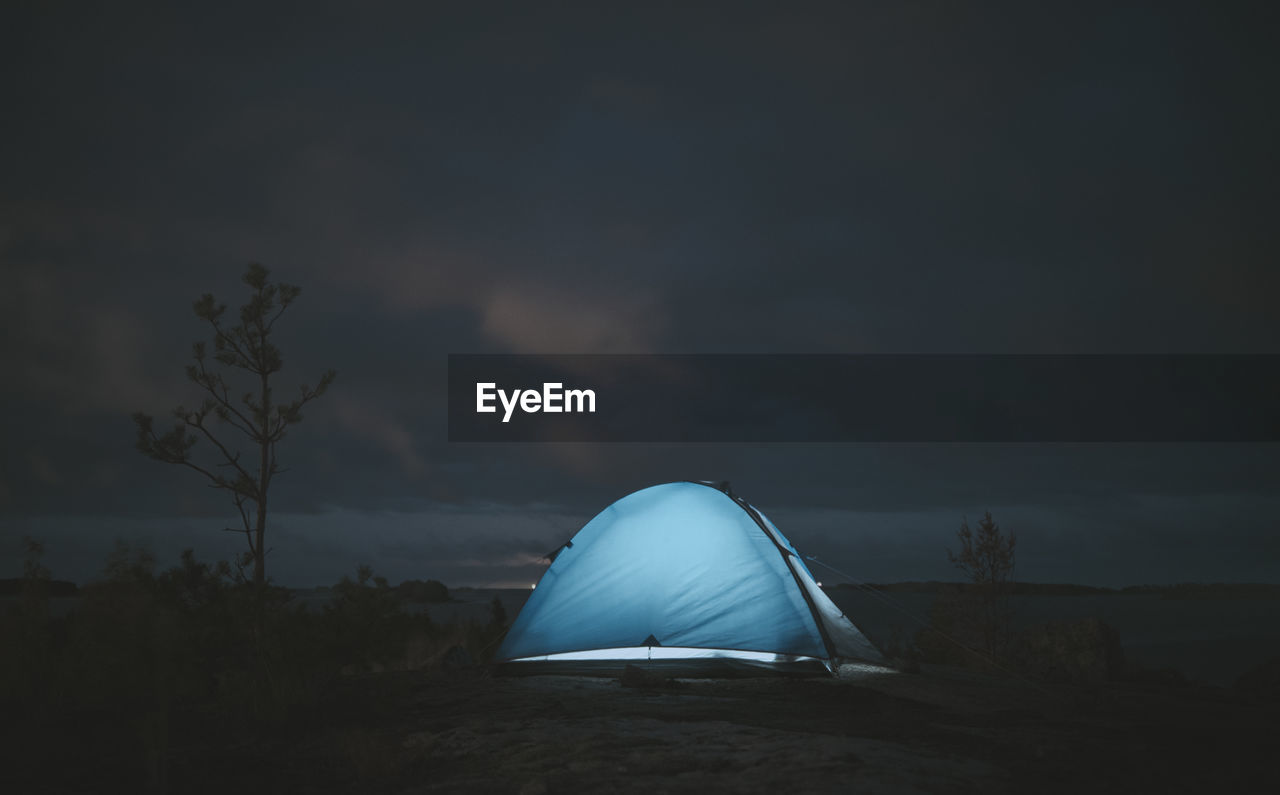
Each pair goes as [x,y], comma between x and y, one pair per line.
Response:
[686,578]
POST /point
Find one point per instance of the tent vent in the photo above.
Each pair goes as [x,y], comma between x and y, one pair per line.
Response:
[650,641]
[719,485]
[553,554]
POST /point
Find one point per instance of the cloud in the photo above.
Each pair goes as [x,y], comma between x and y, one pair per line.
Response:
[364,419]
[74,346]
[532,319]
[523,307]
[762,185]
[42,467]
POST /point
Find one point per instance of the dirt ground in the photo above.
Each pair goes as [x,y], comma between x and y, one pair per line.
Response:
[871,730]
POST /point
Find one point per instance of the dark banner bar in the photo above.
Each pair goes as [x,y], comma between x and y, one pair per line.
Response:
[871,398]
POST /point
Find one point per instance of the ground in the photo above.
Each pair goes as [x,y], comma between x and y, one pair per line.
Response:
[941,731]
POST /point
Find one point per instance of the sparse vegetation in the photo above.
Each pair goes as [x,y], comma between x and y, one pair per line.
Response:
[195,648]
[430,591]
[978,617]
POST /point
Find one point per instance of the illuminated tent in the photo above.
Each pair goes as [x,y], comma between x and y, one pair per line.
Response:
[686,578]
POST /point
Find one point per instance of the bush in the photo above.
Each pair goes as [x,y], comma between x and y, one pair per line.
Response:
[366,624]
[1082,651]
[901,652]
[431,591]
[192,638]
[954,635]
[1162,677]
[1261,682]
[232,659]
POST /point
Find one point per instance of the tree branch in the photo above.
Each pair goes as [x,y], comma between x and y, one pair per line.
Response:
[222,339]
[231,458]
[212,382]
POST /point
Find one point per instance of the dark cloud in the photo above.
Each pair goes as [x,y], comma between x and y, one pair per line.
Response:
[922,177]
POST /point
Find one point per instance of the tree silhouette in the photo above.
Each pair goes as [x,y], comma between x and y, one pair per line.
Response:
[987,556]
[244,349]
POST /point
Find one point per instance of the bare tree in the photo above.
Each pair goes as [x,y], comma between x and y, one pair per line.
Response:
[244,349]
[987,556]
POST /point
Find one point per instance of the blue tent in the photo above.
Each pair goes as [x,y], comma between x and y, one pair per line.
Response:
[687,578]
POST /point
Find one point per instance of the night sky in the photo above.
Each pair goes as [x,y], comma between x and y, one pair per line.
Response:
[894,178]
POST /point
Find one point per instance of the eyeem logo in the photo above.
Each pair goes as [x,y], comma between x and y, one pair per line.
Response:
[553,399]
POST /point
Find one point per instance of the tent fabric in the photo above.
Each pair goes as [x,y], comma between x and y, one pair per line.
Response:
[681,566]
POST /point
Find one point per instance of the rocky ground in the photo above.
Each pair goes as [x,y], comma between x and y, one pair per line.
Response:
[941,731]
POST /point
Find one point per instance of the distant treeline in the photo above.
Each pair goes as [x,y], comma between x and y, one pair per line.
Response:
[1190,590]
[436,591]
[409,590]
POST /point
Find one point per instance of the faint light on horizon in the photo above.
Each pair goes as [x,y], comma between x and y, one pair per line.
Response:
[532,586]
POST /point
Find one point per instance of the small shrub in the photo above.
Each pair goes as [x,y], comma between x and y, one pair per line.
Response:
[987,556]
[953,636]
[1082,651]
[431,591]
[1261,681]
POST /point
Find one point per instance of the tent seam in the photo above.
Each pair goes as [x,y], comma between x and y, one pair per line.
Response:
[827,642]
